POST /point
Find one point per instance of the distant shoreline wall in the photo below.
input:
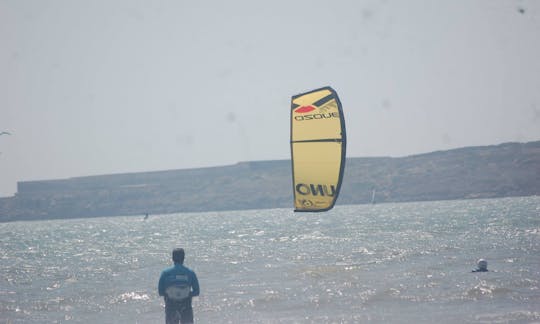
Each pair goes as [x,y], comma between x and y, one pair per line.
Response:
[511,169]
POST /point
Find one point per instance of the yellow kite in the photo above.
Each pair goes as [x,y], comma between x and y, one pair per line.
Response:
[318,144]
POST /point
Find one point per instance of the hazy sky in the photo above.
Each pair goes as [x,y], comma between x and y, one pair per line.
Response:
[98,87]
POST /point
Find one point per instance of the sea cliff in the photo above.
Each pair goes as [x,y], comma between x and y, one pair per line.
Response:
[510,169]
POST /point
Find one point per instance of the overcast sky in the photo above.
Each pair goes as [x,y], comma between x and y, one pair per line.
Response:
[100,87]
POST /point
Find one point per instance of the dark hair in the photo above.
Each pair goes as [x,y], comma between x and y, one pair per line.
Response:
[178,255]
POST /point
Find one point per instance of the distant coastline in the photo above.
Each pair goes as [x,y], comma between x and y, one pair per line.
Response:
[505,170]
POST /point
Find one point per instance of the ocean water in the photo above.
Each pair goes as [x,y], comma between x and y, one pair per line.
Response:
[387,263]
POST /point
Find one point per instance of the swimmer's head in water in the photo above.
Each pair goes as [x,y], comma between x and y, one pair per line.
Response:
[482,264]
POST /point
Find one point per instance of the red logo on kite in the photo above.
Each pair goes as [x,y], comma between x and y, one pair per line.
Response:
[304,109]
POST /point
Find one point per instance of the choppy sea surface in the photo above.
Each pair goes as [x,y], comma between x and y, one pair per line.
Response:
[387,263]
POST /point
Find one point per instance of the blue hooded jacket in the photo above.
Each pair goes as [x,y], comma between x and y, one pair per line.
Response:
[172,275]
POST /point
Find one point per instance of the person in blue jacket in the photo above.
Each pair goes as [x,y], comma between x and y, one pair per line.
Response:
[177,285]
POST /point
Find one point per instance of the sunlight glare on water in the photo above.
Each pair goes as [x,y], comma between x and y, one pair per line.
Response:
[408,262]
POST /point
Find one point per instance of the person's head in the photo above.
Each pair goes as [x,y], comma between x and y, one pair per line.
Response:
[178,255]
[482,264]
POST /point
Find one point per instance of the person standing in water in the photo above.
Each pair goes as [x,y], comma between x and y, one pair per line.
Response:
[178,284]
